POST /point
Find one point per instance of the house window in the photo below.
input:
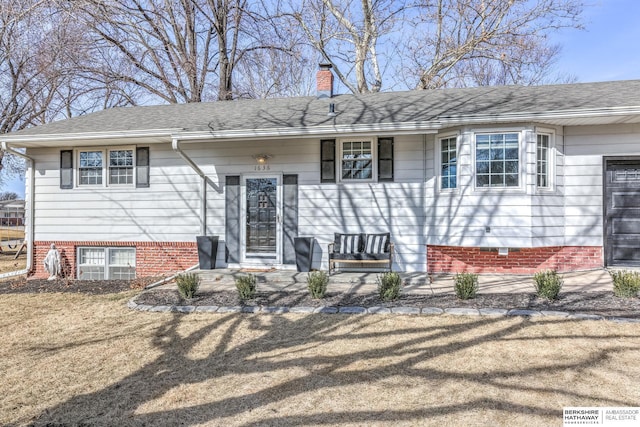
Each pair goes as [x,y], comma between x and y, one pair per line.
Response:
[121,167]
[542,161]
[357,160]
[448,163]
[118,166]
[97,263]
[90,170]
[497,160]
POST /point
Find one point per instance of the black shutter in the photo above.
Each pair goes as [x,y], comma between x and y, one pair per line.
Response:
[142,167]
[290,214]
[385,159]
[328,160]
[66,169]
[232,218]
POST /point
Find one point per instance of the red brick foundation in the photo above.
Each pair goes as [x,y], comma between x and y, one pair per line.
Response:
[152,258]
[456,259]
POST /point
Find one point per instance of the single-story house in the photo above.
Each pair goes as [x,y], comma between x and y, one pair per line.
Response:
[486,179]
[11,213]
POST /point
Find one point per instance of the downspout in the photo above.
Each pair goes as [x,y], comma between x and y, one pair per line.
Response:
[423,198]
[29,212]
[175,144]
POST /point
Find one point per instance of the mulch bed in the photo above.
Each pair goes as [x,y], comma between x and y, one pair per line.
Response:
[91,287]
[598,303]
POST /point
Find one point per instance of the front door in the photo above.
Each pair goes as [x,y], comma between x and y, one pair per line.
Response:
[622,212]
[261,221]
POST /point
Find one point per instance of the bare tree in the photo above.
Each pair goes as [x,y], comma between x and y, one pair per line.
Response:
[8,195]
[174,50]
[483,42]
[33,69]
[347,34]
[155,49]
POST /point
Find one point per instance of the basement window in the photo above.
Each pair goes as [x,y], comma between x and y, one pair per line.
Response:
[99,263]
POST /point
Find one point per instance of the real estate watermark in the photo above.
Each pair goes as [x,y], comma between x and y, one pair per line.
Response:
[601,416]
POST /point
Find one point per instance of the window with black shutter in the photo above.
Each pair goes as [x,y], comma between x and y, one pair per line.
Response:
[385,159]
[142,167]
[328,160]
[66,169]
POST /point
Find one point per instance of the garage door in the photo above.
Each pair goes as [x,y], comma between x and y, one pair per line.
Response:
[622,212]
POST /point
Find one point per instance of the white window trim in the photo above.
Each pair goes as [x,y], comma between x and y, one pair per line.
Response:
[551,161]
[521,187]
[438,161]
[106,264]
[105,166]
[374,159]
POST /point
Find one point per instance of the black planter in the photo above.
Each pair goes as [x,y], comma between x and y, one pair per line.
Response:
[207,251]
[304,252]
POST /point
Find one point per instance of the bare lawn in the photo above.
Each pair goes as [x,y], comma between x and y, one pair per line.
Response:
[8,263]
[78,359]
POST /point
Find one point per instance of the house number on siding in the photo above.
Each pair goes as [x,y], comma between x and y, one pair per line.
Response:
[261,167]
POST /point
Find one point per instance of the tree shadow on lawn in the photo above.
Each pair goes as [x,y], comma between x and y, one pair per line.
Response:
[411,346]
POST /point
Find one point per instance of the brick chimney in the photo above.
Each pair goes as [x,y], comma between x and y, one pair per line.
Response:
[324,81]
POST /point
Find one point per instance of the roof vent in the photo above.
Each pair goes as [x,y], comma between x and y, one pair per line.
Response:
[332,110]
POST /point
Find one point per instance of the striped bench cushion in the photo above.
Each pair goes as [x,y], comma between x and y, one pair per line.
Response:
[377,243]
[349,243]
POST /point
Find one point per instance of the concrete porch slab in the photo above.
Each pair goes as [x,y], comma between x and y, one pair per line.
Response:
[414,283]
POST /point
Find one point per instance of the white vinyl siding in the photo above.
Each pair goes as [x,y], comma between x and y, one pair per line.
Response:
[488,216]
[412,208]
[585,148]
[169,210]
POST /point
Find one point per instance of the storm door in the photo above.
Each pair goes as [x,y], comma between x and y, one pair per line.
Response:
[262,220]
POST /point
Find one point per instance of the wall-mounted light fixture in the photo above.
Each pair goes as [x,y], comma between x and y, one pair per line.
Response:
[262,158]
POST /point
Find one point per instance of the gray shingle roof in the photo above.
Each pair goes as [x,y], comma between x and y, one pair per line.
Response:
[386,107]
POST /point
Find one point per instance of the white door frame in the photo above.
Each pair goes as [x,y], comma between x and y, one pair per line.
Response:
[249,260]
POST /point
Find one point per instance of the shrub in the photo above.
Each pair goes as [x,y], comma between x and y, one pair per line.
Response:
[548,284]
[626,284]
[317,283]
[188,284]
[466,285]
[389,284]
[246,286]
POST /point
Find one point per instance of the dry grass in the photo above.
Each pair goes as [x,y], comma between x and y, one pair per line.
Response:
[11,233]
[78,359]
[7,263]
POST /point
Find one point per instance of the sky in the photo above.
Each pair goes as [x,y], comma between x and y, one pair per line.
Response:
[609,46]
[607,49]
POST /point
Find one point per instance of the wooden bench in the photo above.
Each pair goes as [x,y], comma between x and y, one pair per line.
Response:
[361,248]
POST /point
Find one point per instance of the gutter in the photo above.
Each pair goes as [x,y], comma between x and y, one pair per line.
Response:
[89,136]
[30,212]
[408,128]
[175,144]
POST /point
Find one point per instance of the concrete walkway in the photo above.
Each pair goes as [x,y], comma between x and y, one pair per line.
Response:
[417,283]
